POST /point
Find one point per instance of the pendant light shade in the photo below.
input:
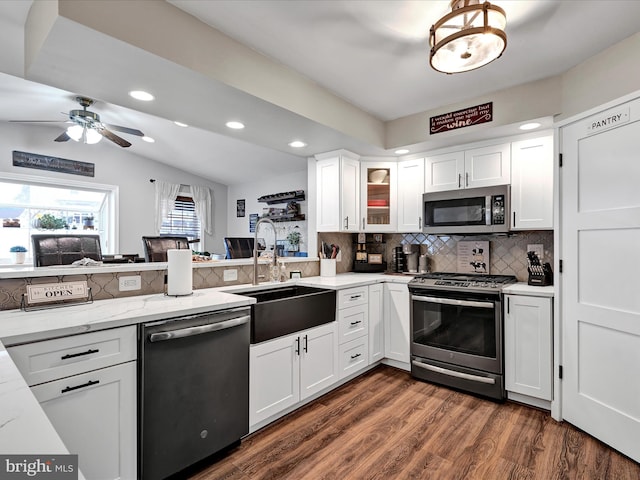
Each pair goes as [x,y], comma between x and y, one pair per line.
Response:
[471,36]
[84,134]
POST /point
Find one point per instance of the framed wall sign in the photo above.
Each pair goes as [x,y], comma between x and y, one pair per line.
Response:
[52,164]
[253,219]
[240,208]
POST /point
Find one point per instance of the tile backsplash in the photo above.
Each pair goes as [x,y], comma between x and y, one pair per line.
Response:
[508,253]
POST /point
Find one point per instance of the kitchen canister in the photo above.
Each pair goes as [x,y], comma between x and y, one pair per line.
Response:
[327,267]
[179,272]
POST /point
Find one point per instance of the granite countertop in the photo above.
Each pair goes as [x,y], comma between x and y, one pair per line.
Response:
[522,288]
[24,427]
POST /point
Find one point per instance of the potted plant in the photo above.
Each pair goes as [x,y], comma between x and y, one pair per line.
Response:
[49,222]
[87,222]
[294,240]
[18,253]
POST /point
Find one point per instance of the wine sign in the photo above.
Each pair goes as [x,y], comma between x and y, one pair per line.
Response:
[52,164]
[461,118]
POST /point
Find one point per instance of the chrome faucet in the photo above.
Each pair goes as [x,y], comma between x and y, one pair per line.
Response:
[255,247]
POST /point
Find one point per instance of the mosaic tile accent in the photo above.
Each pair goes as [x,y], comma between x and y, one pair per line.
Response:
[106,285]
[508,253]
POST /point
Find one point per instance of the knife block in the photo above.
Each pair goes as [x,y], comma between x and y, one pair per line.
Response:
[540,276]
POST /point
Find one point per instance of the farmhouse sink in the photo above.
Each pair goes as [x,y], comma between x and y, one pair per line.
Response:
[284,310]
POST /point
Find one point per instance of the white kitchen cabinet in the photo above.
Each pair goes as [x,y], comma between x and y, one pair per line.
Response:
[532,184]
[338,192]
[86,384]
[478,167]
[378,192]
[376,323]
[354,356]
[396,322]
[410,190]
[289,369]
[528,346]
[95,415]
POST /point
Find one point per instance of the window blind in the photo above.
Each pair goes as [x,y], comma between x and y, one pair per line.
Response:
[182,220]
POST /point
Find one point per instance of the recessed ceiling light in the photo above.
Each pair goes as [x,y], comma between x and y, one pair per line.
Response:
[235,125]
[180,124]
[141,95]
[148,139]
[401,151]
[529,126]
[297,144]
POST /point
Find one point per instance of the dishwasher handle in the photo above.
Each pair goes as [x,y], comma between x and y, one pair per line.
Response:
[199,329]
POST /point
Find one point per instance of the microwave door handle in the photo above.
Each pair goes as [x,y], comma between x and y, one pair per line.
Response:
[452,301]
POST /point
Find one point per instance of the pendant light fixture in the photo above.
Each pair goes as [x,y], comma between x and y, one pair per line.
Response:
[471,36]
[84,134]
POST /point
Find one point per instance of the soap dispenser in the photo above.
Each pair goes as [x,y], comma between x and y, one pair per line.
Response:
[283,272]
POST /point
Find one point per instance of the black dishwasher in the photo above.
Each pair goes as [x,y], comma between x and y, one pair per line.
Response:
[193,390]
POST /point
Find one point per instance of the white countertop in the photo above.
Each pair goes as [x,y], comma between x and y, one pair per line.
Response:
[24,427]
[523,288]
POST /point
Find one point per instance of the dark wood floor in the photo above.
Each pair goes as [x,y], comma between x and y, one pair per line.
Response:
[386,425]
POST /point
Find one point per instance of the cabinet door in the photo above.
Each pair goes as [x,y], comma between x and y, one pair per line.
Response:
[532,184]
[350,194]
[95,415]
[354,356]
[379,196]
[328,190]
[319,354]
[396,321]
[528,345]
[443,172]
[487,166]
[274,377]
[410,190]
[353,322]
[376,324]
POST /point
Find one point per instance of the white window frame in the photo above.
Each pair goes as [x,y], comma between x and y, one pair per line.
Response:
[113,201]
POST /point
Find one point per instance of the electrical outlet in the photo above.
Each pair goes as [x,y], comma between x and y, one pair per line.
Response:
[132,282]
[230,275]
[538,248]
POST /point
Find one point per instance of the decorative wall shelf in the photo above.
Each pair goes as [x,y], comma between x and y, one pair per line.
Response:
[282,197]
[285,218]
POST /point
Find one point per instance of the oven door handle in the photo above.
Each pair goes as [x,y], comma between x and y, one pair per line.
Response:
[452,301]
[453,373]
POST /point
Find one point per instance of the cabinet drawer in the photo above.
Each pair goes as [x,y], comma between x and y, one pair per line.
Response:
[352,297]
[353,322]
[53,359]
[354,356]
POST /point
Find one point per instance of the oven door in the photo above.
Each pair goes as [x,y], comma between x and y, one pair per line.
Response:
[459,328]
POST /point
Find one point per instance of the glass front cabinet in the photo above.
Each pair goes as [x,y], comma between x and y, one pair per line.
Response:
[378,189]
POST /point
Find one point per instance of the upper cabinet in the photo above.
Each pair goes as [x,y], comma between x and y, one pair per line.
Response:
[378,187]
[532,184]
[338,189]
[411,181]
[479,167]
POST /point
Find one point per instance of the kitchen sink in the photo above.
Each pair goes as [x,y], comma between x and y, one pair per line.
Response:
[285,310]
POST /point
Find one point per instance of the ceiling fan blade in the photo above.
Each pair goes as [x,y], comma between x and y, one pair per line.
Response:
[63,137]
[113,137]
[38,121]
[130,131]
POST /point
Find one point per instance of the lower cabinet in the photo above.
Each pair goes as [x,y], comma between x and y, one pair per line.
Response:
[376,323]
[289,369]
[528,345]
[95,415]
[396,322]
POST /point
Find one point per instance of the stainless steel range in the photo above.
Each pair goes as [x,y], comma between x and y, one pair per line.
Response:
[456,331]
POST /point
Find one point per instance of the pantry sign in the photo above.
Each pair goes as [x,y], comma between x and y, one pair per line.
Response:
[461,118]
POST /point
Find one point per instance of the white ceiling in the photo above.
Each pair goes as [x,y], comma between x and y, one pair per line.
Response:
[371,53]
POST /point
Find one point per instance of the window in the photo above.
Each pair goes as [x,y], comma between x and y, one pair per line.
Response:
[182,220]
[31,205]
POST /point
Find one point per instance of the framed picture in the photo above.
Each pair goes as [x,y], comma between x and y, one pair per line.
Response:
[240,208]
[375,258]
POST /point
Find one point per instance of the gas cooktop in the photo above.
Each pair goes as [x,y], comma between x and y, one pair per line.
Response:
[451,280]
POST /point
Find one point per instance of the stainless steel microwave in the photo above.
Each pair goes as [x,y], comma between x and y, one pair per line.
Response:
[467,211]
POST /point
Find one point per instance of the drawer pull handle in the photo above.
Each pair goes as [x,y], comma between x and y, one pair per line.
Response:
[88,384]
[355,323]
[356,356]
[74,355]
[355,297]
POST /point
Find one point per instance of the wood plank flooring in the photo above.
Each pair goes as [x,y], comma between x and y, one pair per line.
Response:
[386,425]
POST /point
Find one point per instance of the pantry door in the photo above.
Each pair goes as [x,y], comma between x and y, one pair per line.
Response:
[600,283]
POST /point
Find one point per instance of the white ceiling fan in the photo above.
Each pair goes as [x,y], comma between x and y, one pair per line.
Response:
[87,127]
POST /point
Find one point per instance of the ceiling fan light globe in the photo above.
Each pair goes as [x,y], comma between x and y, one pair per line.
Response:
[92,136]
[75,132]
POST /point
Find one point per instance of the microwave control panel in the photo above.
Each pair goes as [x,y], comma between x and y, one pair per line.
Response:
[497,210]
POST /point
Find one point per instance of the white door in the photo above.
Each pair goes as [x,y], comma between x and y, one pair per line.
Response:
[319,353]
[396,321]
[376,325]
[487,166]
[95,415]
[410,190]
[600,235]
[274,377]
[443,172]
[532,184]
